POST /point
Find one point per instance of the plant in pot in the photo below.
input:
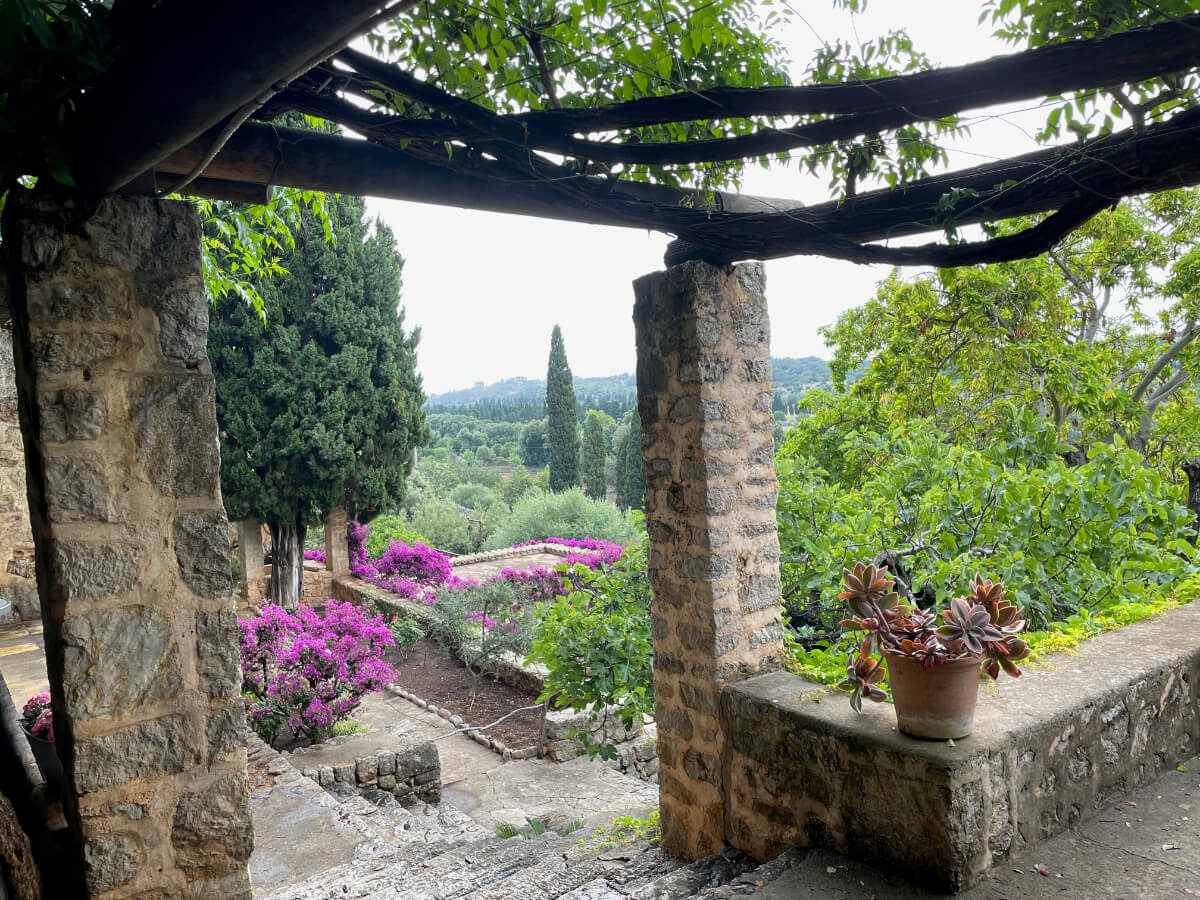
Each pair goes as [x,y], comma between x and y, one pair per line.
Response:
[37,721]
[932,667]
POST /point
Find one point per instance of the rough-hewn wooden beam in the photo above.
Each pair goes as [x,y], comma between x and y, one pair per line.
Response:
[188,64]
[1131,56]
[268,154]
[1164,156]
[864,108]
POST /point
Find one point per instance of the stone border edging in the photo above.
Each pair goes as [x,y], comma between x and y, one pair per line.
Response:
[506,552]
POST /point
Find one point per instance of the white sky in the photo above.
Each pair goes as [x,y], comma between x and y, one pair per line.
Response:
[486,289]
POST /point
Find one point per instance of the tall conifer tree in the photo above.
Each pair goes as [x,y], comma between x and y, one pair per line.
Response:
[320,405]
[562,423]
[631,490]
[593,456]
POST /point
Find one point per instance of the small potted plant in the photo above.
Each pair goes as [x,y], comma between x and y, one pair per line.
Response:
[932,667]
[37,721]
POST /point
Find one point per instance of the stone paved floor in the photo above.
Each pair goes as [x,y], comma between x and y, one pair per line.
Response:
[1146,847]
[23,661]
[523,562]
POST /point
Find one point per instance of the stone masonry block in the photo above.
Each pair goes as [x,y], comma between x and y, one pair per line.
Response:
[82,571]
[111,861]
[212,833]
[118,659]
[162,746]
[218,660]
[72,415]
[202,552]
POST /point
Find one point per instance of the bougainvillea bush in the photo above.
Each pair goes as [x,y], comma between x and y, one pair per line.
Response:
[315,555]
[307,671]
[37,716]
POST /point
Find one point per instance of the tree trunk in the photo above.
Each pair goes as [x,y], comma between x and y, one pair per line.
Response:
[287,562]
[1191,468]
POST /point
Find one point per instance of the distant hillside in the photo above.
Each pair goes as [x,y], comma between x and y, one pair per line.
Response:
[790,375]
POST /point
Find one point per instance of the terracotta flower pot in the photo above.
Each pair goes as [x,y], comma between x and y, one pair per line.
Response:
[937,703]
[47,759]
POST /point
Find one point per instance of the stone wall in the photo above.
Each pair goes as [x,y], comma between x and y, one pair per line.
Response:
[704,396]
[14,509]
[1054,747]
[411,768]
[117,414]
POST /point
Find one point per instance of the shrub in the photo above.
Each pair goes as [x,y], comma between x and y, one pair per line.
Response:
[1062,538]
[308,671]
[473,496]
[443,526]
[596,642]
[568,514]
[484,623]
[385,529]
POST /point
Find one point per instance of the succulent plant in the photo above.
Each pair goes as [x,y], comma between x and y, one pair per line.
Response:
[970,625]
[982,625]
[862,672]
[871,599]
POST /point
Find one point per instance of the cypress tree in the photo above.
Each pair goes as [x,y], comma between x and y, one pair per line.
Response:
[562,423]
[320,405]
[593,456]
[631,490]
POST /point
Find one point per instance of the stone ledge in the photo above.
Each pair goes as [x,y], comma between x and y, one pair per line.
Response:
[1049,749]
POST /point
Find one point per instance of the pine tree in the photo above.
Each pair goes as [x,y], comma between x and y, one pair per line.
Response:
[562,420]
[319,406]
[631,490]
[593,456]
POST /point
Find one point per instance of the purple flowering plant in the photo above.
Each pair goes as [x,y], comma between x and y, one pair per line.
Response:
[316,555]
[37,716]
[307,670]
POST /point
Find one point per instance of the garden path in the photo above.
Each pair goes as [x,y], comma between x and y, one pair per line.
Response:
[494,791]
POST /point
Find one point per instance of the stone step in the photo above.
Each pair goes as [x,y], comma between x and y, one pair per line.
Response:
[441,875]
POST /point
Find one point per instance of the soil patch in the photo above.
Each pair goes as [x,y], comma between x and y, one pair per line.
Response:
[437,676]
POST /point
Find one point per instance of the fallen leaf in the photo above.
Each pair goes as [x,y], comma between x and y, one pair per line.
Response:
[1042,870]
[1169,847]
[950,743]
[832,870]
[1019,871]
[1181,768]
[1130,803]
[1192,891]
[758,883]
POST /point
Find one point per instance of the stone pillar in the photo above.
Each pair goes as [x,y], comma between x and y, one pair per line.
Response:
[337,552]
[117,415]
[250,550]
[704,396]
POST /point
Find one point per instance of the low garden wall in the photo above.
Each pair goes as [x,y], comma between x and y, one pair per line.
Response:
[409,768]
[1049,749]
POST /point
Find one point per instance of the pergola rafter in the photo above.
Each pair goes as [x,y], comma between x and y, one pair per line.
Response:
[544,163]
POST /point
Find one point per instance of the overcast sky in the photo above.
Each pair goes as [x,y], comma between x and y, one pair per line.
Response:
[486,289]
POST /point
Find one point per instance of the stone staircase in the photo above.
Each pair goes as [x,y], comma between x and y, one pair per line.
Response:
[422,852]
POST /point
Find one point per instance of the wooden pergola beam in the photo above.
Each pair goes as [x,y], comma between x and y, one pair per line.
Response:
[186,65]
[1097,173]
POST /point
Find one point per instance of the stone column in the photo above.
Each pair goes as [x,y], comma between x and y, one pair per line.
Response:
[117,415]
[704,396]
[250,550]
[337,552]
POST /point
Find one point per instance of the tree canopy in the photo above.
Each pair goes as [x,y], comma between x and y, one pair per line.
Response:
[320,405]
